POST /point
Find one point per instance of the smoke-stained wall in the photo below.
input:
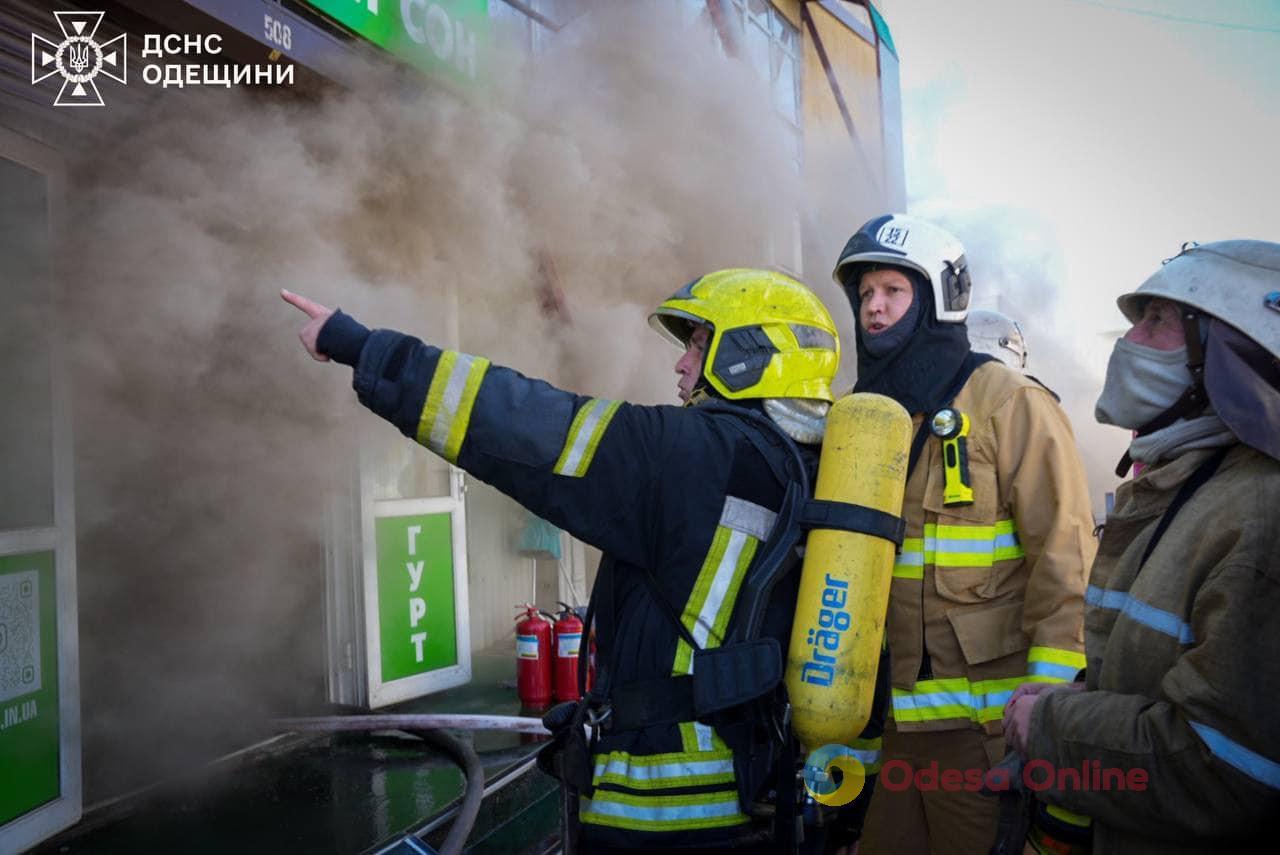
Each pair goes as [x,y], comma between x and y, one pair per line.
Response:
[632,154]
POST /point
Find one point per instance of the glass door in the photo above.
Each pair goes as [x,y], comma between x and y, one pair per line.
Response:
[40,791]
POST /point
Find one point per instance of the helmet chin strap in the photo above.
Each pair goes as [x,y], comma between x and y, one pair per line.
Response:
[1193,398]
[702,392]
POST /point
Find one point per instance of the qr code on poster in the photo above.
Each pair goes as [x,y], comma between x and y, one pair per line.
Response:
[19,634]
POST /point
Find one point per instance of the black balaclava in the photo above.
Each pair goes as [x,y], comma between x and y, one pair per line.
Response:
[917,373]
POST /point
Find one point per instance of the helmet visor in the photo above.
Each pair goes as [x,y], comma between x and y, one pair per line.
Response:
[956,286]
[674,325]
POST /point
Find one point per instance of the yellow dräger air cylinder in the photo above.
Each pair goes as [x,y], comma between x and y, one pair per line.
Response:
[844,586]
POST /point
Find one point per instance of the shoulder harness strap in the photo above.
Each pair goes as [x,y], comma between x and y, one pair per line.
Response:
[971,363]
[1197,480]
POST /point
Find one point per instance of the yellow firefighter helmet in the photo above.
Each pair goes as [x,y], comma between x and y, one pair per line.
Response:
[771,337]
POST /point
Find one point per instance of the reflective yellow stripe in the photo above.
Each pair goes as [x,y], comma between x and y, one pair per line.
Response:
[868,752]
[711,601]
[958,546]
[1057,656]
[442,425]
[663,813]
[954,697]
[1076,819]
[698,738]
[971,545]
[910,561]
[1053,665]
[657,771]
[584,435]
[1007,545]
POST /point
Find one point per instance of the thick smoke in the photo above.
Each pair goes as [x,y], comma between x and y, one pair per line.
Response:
[630,159]
[1018,269]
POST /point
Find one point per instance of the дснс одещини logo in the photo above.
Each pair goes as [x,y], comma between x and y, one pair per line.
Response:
[79,59]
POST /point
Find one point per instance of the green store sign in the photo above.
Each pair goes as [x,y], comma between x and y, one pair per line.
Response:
[28,684]
[438,36]
[416,605]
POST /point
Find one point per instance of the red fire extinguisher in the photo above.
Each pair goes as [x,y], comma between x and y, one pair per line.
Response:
[568,646]
[533,657]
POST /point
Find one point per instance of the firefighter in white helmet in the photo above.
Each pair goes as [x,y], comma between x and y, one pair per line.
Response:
[999,335]
[988,591]
[1181,629]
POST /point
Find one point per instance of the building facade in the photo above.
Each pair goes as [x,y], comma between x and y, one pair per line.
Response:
[157,605]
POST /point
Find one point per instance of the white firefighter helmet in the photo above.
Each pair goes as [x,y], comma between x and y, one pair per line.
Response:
[999,335]
[1235,281]
[898,240]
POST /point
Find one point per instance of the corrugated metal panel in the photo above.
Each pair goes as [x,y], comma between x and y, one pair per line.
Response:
[28,108]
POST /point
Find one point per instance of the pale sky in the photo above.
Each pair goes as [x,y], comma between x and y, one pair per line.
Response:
[1114,135]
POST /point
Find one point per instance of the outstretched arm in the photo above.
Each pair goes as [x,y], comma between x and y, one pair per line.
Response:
[588,465]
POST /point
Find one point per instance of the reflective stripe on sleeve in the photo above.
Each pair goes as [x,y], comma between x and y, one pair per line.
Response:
[1149,616]
[1053,665]
[1261,769]
[954,698]
[447,411]
[584,435]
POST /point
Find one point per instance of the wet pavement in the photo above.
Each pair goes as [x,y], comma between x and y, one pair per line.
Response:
[341,793]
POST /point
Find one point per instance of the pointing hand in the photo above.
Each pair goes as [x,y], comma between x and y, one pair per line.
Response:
[317,315]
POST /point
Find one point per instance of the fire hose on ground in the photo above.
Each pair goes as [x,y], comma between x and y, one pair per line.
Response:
[430,728]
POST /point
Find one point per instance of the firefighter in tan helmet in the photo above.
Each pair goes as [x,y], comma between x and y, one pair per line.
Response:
[1181,627]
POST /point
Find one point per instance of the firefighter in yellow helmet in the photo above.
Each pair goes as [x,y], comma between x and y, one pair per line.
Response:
[988,591]
[1181,629]
[680,500]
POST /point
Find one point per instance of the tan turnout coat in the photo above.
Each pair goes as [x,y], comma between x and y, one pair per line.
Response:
[1184,666]
[994,591]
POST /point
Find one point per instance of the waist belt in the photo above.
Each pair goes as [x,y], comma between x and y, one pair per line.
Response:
[648,703]
[723,677]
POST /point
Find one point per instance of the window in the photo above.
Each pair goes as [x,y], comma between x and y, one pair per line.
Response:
[531,33]
[771,44]
[26,403]
[512,27]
